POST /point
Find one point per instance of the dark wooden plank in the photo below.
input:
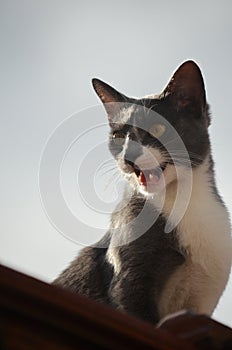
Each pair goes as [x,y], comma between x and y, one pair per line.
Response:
[35,315]
[200,330]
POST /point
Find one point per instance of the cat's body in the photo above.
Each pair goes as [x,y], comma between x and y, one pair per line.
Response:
[138,267]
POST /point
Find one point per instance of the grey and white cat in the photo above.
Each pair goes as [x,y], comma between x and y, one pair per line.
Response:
[155,273]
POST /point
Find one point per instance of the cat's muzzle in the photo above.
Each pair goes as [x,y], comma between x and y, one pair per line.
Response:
[148,177]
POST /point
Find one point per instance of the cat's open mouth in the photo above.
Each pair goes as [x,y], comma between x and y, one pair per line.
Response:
[148,177]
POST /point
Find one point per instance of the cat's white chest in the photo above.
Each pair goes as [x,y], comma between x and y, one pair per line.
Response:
[204,233]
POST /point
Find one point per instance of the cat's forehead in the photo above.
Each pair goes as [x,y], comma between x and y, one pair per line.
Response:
[139,113]
[126,112]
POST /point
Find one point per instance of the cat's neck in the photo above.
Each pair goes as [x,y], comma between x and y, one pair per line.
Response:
[187,191]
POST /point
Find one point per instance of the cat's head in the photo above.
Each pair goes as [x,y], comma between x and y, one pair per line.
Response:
[150,137]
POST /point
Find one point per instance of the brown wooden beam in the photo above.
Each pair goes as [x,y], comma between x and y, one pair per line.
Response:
[35,315]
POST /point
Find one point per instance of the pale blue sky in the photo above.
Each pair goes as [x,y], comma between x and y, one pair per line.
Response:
[50,51]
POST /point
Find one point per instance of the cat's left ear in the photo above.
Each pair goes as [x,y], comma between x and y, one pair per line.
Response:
[111,98]
[186,88]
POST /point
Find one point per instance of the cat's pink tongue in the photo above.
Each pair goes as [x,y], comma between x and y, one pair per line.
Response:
[148,177]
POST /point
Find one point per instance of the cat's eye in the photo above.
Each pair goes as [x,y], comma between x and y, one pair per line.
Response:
[157,130]
[118,138]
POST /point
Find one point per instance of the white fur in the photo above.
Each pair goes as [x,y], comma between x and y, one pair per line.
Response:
[152,96]
[114,259]
[204,233]
[125,113]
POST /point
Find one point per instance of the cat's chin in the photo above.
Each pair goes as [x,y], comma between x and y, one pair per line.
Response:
[150,191]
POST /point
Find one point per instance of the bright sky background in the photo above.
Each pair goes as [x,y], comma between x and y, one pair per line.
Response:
[50,51]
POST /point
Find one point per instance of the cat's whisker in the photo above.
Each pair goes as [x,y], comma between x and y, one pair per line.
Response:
[177,138]
[186,153]
[185,159]
[115,176]
[108,164]
[107,171]
[183,162]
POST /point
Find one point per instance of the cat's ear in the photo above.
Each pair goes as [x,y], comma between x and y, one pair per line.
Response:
[186,88]
[111,98]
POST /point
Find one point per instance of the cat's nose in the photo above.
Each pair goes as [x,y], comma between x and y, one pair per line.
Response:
[134,150]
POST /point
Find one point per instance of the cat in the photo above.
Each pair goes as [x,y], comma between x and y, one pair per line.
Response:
[139,266]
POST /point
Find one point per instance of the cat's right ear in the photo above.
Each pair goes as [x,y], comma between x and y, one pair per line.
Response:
[111,98]
[186,88]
